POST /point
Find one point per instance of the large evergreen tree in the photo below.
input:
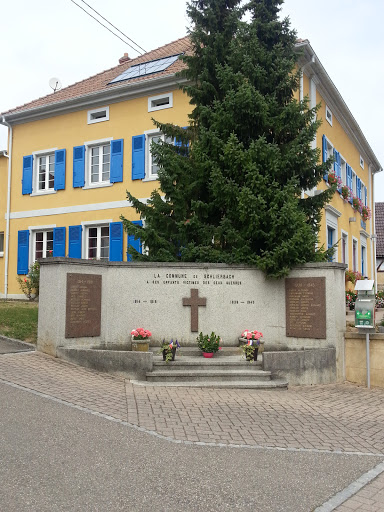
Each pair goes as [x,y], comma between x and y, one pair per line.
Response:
[230,188]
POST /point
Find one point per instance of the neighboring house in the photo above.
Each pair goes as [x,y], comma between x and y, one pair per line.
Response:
[379,220]
[74,153]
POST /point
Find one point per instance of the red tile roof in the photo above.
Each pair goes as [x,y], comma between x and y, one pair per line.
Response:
[100,81]
[379,224]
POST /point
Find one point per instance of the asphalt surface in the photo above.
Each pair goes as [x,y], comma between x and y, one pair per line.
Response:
[9,346]
[54,457]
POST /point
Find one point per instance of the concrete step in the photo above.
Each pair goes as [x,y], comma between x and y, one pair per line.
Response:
[200,363]
[208,374]
[196,352]
[276,384]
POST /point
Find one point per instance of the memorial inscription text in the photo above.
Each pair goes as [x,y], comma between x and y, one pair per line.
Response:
[83,310]
[305,307]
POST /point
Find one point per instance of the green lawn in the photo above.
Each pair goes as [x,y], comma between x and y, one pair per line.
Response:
[19,320]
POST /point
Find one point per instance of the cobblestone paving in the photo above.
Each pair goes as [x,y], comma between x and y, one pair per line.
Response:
[369,499]
[336,418]
[342,418]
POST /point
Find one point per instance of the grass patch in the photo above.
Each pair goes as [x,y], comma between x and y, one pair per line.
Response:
[19,320]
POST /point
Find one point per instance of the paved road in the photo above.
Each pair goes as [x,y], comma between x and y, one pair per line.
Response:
[8,345]
[73,439]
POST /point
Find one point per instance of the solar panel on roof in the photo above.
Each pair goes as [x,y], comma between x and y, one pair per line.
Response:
[146,68]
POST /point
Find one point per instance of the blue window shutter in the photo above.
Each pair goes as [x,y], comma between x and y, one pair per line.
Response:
[116,241]
[60,157]
[78,166]
[358,187]
[134,242]
[325,154]
[74,241]
[58,242]
[337,167]
[117,147]
[365,196]
[349,179]
[23,252]
[138,157]
[27,174]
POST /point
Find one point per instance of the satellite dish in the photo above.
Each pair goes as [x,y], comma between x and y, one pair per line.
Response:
[55,84]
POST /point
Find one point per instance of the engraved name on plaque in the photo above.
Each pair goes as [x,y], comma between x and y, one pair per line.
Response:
[305,307]
[83,311]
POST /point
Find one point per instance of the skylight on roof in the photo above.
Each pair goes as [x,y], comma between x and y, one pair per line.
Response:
[146,68]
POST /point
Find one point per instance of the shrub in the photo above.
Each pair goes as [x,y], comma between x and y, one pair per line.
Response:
[30,284]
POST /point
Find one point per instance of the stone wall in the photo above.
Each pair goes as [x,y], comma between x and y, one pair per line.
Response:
[151,295]
[356,359]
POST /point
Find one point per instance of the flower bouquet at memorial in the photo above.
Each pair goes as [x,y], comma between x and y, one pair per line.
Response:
[250,343]
[169,350]
[140,334]
[208,343]
[140,339]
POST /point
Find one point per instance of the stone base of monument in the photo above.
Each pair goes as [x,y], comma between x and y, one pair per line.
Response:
[227,369]
[302,367]
[116,361]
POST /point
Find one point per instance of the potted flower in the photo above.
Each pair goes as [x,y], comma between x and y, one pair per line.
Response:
[350,299]
[345,192]
[381,326]
[365,213]
[140,339]
[169,350]
[251,343]
[356,204]
[208,343]
[333,179]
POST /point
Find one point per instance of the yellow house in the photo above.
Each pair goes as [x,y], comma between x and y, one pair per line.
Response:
[74,153]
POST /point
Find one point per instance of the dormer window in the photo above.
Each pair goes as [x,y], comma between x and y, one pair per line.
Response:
[160,102]
[98,115]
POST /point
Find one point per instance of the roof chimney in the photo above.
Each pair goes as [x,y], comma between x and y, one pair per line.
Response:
[124,58]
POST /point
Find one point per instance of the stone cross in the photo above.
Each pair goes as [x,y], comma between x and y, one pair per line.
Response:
[194,302]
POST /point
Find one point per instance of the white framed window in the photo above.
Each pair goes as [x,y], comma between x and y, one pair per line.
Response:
[151,164]
[46,172]
[329,149]
[344,247]
[43,180]
[364,263]
[343,164]
[1,244]
[355,255]
[98,163]
[41,242]
[331,216]
[361,162]
[96,240]
[160,102]
[98,115]
[328,115]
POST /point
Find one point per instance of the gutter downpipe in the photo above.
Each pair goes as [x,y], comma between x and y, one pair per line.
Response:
[10,144]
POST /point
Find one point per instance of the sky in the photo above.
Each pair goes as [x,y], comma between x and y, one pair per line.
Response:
[44,39]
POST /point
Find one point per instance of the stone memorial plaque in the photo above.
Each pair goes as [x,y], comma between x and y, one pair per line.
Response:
[83,312]
[305,307]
